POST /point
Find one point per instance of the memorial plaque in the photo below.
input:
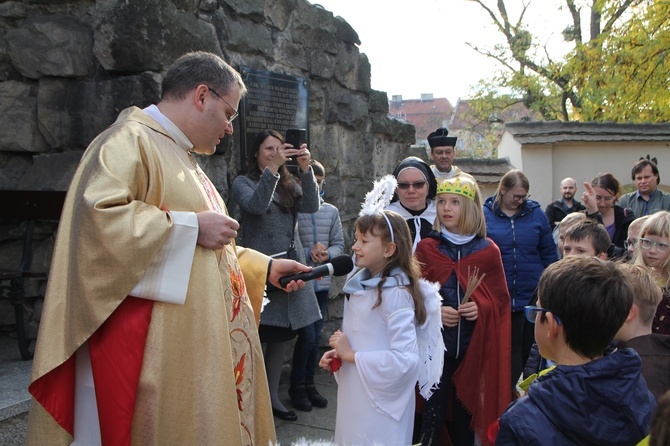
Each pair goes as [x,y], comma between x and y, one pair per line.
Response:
[273,101]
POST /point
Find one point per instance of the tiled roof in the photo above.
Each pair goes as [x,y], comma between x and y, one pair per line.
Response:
[485,170]
[550,132]
[426,115]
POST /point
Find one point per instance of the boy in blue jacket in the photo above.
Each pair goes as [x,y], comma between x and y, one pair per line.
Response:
[588,398]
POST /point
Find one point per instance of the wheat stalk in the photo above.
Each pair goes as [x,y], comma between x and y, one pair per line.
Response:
[473,282]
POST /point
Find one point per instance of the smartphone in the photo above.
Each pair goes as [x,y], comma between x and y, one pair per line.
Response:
[295,137]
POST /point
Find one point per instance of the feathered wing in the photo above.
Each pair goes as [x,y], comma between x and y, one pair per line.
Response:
[380,196]
[429,338]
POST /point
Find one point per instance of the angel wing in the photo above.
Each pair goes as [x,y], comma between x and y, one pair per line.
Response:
[380,196]
[429,339]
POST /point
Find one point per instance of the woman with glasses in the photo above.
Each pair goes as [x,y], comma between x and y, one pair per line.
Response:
[270,198]
[615,218]
[654,252]
[521,230]
[414,197]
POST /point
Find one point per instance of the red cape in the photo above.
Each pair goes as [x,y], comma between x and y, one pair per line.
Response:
[483,379]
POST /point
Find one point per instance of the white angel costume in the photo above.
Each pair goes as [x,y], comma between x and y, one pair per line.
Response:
[375,397]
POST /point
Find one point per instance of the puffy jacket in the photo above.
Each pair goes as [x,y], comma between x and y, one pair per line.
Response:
[602,402]
[323,226]
[536,363]
[526,245]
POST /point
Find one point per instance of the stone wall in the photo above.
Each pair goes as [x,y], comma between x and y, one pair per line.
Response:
[67,67]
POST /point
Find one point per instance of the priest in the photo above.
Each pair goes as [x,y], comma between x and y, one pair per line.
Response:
[149,328]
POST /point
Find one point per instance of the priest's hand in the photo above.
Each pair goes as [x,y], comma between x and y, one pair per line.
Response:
[286,267]
[215,230]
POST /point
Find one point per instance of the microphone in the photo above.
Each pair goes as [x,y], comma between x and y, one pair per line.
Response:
[338,266]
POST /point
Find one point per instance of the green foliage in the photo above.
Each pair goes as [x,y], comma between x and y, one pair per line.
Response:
[619,73]
[624,76]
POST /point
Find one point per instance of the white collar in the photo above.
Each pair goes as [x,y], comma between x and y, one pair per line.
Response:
[456,239]
[179,137]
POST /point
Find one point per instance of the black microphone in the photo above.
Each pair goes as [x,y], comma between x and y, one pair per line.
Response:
[338,266]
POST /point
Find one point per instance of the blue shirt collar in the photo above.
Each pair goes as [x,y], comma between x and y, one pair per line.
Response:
[651,195]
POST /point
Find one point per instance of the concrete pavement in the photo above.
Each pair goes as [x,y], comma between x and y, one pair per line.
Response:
[314,427]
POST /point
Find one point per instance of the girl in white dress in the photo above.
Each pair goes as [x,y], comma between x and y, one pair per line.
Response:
[383,348]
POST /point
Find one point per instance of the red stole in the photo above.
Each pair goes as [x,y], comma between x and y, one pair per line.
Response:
[483,379]
[116,350]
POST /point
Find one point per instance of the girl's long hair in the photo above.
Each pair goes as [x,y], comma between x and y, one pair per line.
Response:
[402,257]
[288,188]
[657,224]
[472,219]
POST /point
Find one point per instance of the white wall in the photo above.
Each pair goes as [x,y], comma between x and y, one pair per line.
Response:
[547,164]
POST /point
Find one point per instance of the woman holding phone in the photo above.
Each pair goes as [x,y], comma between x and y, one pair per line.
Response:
[270,197]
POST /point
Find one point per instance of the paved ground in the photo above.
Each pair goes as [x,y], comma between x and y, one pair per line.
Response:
[319,424]
[14,379]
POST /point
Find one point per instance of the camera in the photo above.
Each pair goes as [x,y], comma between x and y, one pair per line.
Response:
[295,137]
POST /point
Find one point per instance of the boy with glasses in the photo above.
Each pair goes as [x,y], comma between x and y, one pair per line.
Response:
[588,398]
[322,239]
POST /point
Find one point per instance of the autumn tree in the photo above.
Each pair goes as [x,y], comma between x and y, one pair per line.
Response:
[617,70]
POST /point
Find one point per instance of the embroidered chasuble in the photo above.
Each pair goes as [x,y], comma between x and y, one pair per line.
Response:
[165,374]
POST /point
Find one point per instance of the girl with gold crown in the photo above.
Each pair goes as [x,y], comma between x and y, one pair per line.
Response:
[475,315]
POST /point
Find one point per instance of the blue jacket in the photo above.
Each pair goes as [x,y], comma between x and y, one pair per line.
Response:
[526,245]
[603,402]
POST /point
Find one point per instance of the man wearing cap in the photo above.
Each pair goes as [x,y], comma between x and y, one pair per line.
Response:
[443,152]
[648,198]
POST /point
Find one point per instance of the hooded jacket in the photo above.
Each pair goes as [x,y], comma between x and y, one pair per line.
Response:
[603,402]
[526,245]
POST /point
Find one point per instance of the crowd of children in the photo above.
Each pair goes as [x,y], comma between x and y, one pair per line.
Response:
[601,358]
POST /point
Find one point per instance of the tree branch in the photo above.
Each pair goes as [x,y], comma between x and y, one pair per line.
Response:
[615,16]
[576,20]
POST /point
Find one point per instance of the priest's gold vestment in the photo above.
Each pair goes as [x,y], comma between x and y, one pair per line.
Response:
[202,379]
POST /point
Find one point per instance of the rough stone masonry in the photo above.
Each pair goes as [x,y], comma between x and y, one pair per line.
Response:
[67,67]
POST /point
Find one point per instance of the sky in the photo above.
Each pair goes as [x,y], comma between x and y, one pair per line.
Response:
[419,46]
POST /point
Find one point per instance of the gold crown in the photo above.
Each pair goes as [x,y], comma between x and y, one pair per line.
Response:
[457,186]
